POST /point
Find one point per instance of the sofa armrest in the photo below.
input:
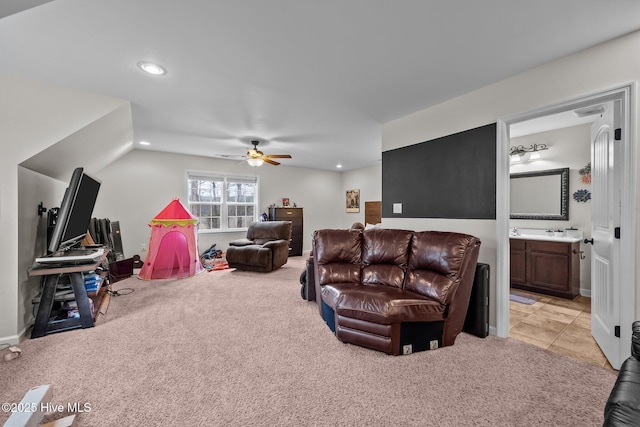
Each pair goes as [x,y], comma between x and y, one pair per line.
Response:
[635,339]
[241,242]
[272,244]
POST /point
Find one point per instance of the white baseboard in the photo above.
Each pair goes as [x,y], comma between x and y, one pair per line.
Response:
[11,339]
[585,292]
[15,339]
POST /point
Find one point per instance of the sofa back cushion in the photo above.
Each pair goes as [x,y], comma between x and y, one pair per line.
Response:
[435,263]
[262,232]
[385,254]
[338,255]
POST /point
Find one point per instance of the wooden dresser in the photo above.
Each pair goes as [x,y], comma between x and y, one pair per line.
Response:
[295,216]
[545,267]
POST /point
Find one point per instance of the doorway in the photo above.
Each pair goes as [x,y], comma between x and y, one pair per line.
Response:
[624,283]
[538,316]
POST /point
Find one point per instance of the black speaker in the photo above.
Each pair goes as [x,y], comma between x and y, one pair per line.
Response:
[477,320]
[117,240]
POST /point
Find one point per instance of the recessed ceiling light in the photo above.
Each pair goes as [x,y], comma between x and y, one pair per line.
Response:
[151,68]
[144,143]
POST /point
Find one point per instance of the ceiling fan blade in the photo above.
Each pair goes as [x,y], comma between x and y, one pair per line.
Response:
[228,156]
[271,162]
[277,156]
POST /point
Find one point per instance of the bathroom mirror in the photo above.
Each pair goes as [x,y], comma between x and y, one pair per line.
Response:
[540,195]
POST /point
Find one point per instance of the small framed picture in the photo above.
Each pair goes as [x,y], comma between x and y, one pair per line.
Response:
[353,200]
[285,202]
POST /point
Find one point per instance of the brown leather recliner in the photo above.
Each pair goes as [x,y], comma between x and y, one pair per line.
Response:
[266,247]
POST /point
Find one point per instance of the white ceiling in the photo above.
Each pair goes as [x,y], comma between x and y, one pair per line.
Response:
[551,122]
[313,78]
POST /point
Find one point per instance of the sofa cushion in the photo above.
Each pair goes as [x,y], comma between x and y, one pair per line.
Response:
[439,251]
[338,254]
[385,253]
[435,262]
[331,293]
[430,284]
[338,246]
[251,255]
[261,232]
[381,304]
[386,246]
[623,405]
[383,275]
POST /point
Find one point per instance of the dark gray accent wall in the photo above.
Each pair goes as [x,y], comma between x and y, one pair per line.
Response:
[449,177]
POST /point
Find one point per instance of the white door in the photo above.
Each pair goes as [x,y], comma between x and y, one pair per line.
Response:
[605,290]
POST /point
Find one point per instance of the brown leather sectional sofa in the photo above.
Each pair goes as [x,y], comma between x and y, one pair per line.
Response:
[395,291]
[623,405]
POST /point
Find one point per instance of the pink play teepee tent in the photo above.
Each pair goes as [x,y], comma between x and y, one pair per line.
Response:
[173,246]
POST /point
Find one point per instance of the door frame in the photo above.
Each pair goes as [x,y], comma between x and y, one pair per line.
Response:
[625,95]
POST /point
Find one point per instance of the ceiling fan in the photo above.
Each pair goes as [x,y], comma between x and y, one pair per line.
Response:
[256,157]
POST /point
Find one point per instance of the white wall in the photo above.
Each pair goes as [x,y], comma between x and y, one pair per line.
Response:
[34,116]
[141,183]
[33,188]
[569,147]
[369,182]
[577,75]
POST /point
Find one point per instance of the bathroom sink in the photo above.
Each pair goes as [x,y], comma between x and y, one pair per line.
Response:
[538,234]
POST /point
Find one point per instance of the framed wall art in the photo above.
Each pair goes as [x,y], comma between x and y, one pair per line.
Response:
[353,201]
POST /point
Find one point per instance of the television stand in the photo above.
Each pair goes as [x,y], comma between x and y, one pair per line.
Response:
[43,324]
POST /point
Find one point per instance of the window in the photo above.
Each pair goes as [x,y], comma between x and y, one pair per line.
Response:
[222,202]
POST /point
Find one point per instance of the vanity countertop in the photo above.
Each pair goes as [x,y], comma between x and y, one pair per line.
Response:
[545,238]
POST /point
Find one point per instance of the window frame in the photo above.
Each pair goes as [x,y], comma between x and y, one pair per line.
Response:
[224,204]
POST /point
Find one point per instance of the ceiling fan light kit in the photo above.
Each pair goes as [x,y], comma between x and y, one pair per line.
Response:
[257,158]
[255,162]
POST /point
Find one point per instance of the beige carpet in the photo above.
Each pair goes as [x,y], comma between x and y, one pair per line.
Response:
[239,348]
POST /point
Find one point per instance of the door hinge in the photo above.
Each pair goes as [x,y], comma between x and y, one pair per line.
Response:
[616,331]
[618,134]
[616,232]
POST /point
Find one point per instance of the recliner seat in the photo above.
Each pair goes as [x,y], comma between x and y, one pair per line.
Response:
[266,247]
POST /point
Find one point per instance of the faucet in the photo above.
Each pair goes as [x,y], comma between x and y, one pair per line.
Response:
[514,231]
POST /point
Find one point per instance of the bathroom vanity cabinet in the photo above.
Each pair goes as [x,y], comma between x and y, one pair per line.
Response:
[546,267]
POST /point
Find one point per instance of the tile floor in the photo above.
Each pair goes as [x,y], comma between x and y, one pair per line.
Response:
[557,324]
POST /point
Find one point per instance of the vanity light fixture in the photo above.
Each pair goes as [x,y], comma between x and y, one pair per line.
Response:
[534,156]
[520,153]
[144,143]
[151,68]
[339,166]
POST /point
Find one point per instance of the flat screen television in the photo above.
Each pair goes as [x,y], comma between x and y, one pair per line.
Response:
[75,212]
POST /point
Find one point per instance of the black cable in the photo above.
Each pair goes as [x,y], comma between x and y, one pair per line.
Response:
[120,292]
[117,293]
